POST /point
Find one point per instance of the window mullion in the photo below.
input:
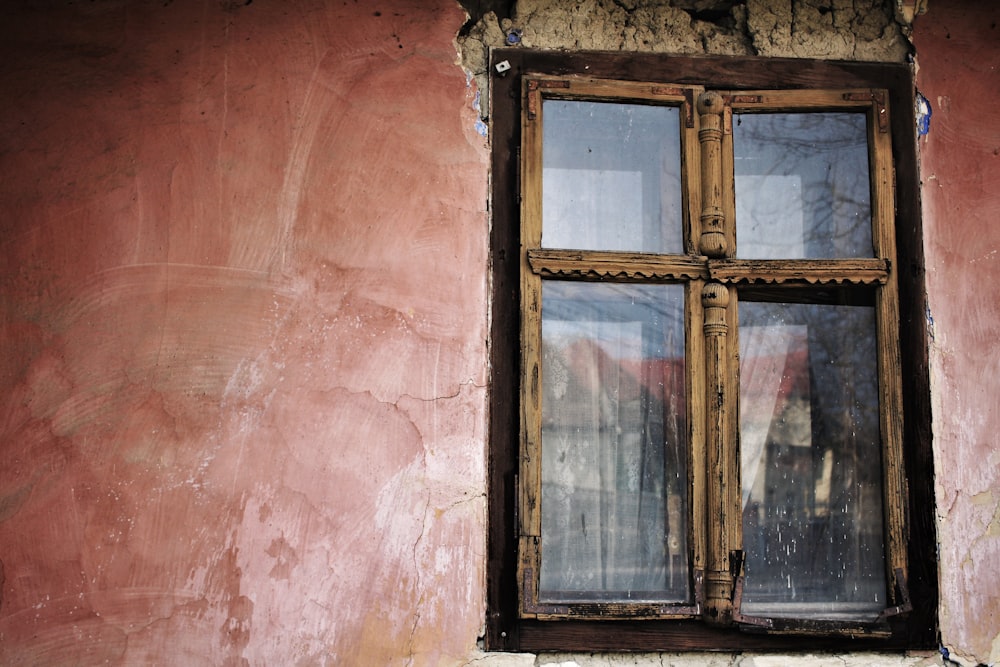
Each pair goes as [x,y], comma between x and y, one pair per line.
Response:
[722,488]
[712,241]
[723,525]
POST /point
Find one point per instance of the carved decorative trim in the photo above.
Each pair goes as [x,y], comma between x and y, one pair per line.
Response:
[589,264]
[581,264]
[803,271]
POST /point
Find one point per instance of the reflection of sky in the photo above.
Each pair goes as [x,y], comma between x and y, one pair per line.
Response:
[619,340]
[627,321]
[611,176]
[574,195]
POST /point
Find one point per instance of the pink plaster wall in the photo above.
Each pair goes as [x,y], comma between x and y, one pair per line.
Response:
[958,49]
[242,323]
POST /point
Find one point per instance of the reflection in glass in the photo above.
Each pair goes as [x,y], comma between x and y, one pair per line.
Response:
[611,177]
[613,443]
[802,186]
[810,459]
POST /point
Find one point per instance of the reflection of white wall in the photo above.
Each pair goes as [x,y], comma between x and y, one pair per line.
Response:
[763,355]
[619,340]
[595,209]
[769,216]
[591,454]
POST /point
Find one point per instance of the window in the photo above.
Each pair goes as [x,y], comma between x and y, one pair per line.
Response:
[699,431]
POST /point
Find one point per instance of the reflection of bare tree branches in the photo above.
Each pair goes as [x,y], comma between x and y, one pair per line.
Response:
[805,175]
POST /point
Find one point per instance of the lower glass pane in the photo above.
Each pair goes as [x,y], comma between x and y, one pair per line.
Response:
[811,461]
[614,429]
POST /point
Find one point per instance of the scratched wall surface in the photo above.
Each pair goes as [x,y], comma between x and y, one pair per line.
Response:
[242,323]
[958,48]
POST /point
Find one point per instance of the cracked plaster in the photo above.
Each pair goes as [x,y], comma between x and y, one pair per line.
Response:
[958,57]
[242,309]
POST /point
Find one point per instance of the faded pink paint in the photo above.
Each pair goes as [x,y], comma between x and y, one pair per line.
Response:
[242,315]
[958,46]
[242,323]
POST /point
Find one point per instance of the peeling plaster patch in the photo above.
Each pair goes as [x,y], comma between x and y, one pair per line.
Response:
[838,29]
[956,659]
[502,660]
[284,556]
[970,529]
[482,129]
[850,30]
[993,530]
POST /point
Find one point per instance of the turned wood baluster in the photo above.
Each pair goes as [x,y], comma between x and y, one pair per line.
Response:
[713,238]
[722,484]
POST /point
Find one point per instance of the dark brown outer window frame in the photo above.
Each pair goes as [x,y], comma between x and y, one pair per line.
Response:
[505,629]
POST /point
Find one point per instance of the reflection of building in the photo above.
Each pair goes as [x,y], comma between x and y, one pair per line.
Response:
[812,529]
[614,478]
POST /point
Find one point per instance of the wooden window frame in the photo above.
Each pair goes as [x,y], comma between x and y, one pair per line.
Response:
[910,530]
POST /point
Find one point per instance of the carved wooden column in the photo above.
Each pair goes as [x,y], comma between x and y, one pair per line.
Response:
[713,238]
[722,481]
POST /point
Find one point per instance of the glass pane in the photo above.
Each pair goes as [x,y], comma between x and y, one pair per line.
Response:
[611,177]
[810,458]
[614,477]
[802,188]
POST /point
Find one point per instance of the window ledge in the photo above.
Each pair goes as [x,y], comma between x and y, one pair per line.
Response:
[713,659]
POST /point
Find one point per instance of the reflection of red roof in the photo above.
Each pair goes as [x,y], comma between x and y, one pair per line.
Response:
[590,368]
[795,377]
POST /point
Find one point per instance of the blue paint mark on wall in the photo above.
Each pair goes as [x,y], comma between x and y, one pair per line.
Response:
[923,113]
[481,127]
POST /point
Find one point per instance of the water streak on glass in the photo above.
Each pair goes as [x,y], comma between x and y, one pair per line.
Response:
[802,186]
[810,461]
[614,478]
[611,177]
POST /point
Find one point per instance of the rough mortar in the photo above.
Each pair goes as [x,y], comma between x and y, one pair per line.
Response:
[866,30]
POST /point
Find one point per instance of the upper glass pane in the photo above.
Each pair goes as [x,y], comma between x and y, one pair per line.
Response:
[802,186]
[614,452]
[611,177]
[810,457]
